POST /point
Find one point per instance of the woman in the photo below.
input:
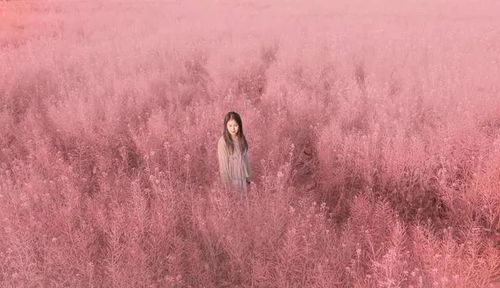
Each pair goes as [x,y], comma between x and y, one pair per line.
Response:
[232,151]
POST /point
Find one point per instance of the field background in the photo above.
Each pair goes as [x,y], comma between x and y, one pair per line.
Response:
[373,126]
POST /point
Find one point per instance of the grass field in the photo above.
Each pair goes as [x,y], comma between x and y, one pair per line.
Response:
[373,130]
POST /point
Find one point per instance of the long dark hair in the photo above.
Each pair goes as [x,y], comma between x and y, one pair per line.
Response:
[227,137]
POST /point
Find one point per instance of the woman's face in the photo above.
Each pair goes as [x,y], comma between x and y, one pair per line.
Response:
[232,127]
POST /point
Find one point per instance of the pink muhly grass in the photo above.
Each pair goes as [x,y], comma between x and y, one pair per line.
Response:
[374,144]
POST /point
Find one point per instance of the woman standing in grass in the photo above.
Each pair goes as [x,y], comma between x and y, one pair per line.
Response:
[232,151]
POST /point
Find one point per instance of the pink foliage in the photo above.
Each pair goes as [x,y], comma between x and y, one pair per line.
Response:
[373,134]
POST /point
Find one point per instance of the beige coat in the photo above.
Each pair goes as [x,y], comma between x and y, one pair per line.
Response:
[234,169]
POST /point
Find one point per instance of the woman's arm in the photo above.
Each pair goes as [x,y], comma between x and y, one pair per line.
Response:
[223,158]
[247,166]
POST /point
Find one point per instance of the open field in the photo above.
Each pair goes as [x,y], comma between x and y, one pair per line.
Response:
[373,129]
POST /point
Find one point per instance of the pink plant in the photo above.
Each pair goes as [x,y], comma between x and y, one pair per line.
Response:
[373,135]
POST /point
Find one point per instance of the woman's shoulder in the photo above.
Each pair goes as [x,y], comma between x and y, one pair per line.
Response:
[221,140]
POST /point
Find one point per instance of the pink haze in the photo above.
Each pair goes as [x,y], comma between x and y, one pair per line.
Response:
[373,131]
